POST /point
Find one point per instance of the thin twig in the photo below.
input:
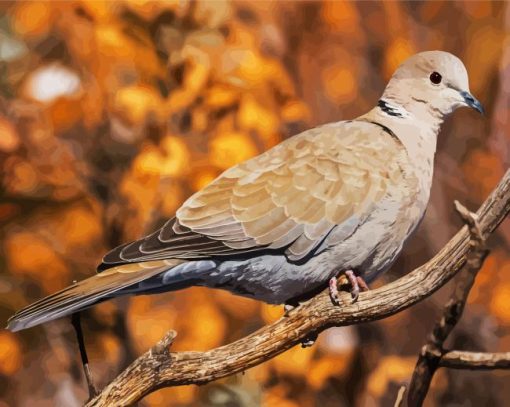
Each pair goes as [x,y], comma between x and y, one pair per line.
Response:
[400,396]
[149,373]
[75,320]
[432,352]
[456,359]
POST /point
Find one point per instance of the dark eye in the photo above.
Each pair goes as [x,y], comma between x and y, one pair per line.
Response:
[435,78]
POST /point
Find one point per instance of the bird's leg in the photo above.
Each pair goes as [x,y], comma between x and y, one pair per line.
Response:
[356,282]
[75,319]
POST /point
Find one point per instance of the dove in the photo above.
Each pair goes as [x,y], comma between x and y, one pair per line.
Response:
[337,200]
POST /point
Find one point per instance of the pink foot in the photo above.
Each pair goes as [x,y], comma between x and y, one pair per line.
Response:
[356,282]
[333,291]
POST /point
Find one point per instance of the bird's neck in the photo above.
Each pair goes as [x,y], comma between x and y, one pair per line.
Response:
[416,127]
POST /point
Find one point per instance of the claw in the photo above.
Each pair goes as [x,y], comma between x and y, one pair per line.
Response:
[354,285]
[333,291]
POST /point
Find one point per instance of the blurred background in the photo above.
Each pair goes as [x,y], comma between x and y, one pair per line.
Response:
[112,113]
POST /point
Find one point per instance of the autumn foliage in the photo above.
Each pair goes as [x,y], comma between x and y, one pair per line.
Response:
[112,113]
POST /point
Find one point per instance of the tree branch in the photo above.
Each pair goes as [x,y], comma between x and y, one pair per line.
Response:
[153,371]
[457,359]
[432,351]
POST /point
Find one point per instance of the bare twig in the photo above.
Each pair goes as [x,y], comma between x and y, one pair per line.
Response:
[150,372]
[457,359]
[432,352]
[400,396]
[75,320]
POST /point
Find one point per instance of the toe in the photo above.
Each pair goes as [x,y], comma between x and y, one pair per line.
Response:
[354,295]
[335,299]
[362,284]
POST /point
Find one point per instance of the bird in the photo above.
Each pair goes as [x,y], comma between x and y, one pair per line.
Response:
[334,202]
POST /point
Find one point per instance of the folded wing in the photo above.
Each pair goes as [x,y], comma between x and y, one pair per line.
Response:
[286,200]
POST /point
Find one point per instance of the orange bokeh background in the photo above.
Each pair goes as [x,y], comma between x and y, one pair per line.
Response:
[112,113]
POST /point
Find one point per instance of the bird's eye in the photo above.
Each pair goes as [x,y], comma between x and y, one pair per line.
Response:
[435,78]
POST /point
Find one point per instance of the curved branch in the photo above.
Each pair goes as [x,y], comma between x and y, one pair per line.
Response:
[154,370]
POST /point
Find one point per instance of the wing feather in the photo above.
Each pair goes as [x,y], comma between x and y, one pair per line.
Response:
[87,292]
[288,238]
[286,200]
[273,235]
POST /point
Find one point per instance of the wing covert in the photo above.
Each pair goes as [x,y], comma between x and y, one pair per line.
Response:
[287,199]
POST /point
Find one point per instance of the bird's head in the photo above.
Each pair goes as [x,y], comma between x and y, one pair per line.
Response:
[436,81]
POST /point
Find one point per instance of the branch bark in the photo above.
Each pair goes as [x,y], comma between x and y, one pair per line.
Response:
[152,371]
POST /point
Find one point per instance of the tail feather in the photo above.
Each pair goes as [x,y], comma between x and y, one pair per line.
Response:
[86,293]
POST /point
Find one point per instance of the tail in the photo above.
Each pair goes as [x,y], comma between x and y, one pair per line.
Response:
[87,293]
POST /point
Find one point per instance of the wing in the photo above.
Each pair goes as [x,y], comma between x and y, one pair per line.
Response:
[286,200]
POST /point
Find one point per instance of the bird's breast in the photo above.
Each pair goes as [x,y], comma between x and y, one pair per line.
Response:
[374,244]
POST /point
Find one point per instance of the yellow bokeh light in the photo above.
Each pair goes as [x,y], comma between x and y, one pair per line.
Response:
[228,149]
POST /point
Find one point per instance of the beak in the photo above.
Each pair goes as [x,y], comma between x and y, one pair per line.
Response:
[473,102]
